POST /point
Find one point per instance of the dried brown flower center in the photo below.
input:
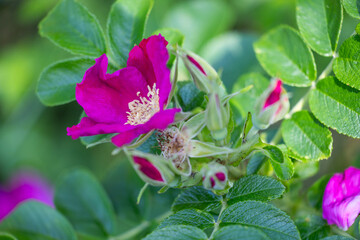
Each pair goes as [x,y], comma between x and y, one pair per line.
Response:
[142,110]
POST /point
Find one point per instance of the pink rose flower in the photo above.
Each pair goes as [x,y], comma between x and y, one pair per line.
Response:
[21,187]
[130,101]
[341,201]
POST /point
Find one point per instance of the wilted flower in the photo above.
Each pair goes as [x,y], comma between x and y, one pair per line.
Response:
[341,201]
[272,105]
[24,186]
[130,101]
[175,146]
[214,176]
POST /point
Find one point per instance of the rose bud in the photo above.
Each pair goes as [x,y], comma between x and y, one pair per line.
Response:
[272,105]
[152,169]
[214,176]
[205,77]
[341,200]
[217,117]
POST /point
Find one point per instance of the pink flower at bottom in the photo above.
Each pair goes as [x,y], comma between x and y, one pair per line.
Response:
[21,187]
[130,101]
[341,201]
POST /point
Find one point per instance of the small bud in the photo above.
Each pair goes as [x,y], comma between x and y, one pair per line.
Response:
[205,77]
[272,105]
[217,117]
[152,170]
[214,176]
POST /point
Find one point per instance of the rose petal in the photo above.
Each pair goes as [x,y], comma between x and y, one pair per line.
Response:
[101,102]
[150,57]
[341,200]
[88,127]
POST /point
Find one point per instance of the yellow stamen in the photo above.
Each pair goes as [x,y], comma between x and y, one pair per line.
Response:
[141,111]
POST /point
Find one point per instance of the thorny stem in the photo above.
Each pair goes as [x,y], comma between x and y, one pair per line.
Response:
[300,104]
[217,224]
[130,234]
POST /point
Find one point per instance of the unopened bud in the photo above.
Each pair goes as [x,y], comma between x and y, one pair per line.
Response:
[217,117]
[152,170]
[214,176]
[272,105]
[205,77]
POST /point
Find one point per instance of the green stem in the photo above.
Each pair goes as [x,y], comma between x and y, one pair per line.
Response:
[130,234]
[217,224]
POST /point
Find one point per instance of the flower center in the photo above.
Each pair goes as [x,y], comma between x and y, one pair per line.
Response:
[142,110]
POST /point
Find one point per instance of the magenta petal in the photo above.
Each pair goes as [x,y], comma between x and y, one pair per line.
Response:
[22,187]
[88,127]
[150,57]
[341,201]
[101,102]
[126,137]
[147,168]
[160,121]
[274,95]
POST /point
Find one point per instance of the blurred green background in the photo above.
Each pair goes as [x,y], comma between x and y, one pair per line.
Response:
[221,31]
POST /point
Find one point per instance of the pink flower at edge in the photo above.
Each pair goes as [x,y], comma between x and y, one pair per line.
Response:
[24,186]
[341,201]
[130,101]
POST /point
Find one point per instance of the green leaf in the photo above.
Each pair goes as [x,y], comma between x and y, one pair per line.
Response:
[125,27]
[178,232]
[6,236]
[255,163]
[255,187]
[226,53]
[328,15]
[280,162]
[72,27]
[57,82]
[81,198]
[174,37]
[316,192]
[283,54]
[194,125]
[198,198]
[189,96]
[347,65]
[265,217]
[312,227]
[191,217]
[306,137]
[352,7]
[234,232]
[245,102]
[199,20]
[34,220]
[337,106]
[337,237]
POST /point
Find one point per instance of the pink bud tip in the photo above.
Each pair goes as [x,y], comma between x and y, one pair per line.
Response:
[274,95]
[147,168]
[221,176]
[212,182]
[191,59]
